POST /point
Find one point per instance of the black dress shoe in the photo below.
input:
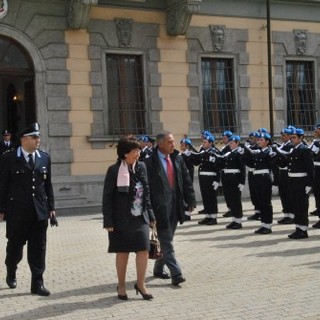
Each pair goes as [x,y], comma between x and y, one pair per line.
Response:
[161,275]
[286,220]
[298,234]
[314,213]
[228,214]
[256,216]
[11,282]
[234,225]
[316,225]
[208,221]
[263,230]
[122,296]
[202,211]
[176,280]
[40,291]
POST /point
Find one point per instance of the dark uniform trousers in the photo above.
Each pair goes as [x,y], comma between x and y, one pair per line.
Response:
[316,187]
[252,188]
[208,194]
[232,195]
[284,193]
[262,193]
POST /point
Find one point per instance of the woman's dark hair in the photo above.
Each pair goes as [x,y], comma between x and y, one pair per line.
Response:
[127,144]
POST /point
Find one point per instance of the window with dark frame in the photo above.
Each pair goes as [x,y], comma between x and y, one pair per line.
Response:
[218,95]
[301,97]
[126,100]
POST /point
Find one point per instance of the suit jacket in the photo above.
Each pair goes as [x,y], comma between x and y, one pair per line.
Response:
[24,191]
[159,188]
[116,205]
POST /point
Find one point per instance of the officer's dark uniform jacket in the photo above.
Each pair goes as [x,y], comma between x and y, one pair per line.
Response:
[145,153]
[4,148]
[208,163]
[233,169]
[159,187]
[22,188]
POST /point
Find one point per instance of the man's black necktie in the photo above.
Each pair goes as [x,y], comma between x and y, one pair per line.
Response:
[31,162]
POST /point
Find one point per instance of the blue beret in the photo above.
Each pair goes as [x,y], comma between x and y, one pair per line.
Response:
[206,133]
[210,138]
[317,126]
[291,127]
[286,131]
[143,138]
[263,130]
[298,132]
[234,138]
[227,134]
[186,141]
[254,134]
[265,136]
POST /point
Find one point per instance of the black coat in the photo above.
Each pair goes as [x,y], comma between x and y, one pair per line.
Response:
[23,190]
[158,183]
[116,205]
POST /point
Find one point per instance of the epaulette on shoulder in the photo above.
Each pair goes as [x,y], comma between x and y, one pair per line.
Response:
[8,151]
[43,152]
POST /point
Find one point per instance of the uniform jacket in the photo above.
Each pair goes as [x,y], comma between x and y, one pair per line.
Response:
[158,183]
[116,205]
[4,148]
[23,189]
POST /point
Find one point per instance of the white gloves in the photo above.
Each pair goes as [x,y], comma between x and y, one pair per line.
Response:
[241,187]
[282,151]
[187,153]
[212,159]
[315,149]
[255,151]
[241,150]
[308,189]
[215,185]
[272,154]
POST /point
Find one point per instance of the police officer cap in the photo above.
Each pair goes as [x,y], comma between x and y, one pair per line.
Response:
[234,138]
[206,133]
[187,141]
[254,134]
[227,134]
[286,131]
[32,130]
[265,136]
[210,138]
[6,133]
[317,126]
[298,132]
[143,138]
[263,130]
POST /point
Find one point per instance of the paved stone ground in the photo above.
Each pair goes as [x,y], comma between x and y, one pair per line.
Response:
[231,274]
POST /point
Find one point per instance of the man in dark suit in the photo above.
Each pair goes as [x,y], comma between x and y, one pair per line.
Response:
[26,203]
[6,144]
[170,186]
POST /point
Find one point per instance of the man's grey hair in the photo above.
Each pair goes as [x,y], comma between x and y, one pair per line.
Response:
[160,136]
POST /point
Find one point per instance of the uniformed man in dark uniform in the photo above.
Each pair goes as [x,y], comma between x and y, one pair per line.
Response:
[300,180]
[286,146]
[252,144]
[315,148]
[262,160]
[26,203]
[6,144]
[209,178]
[233,176]
[145,151]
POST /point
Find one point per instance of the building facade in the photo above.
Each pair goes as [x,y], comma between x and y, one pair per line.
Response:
[91,70]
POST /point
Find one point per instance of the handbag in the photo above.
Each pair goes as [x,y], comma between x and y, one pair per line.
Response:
[155,249]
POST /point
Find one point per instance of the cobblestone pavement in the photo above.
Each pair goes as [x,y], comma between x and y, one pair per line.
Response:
[231,274]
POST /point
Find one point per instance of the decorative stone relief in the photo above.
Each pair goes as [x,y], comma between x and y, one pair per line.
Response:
[301,37]
[79,12]
[217,36]
[179,13]
[124,29]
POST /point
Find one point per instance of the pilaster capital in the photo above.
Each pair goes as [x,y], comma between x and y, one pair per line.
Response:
[79,12]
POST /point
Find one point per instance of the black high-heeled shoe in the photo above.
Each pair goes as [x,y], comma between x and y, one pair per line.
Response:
[122,296]
[145,296]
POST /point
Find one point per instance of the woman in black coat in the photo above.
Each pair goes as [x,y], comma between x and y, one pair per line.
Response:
[127,213]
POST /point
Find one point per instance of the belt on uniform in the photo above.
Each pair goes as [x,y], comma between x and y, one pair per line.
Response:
[285,168]
[261,171]
[250,169]
[297,174]
[231,170]
[207,173]
[316,163]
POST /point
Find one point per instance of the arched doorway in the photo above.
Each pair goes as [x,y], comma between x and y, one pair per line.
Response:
[17,92]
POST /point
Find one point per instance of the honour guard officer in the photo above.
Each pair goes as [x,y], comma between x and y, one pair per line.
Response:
[252,144]
[150,143]
[187,148]
[233,176]
[300,180]
[26,203]
[6,144]
[284,193]
[262,163]
[145,151]
[315,147]
[209,177]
